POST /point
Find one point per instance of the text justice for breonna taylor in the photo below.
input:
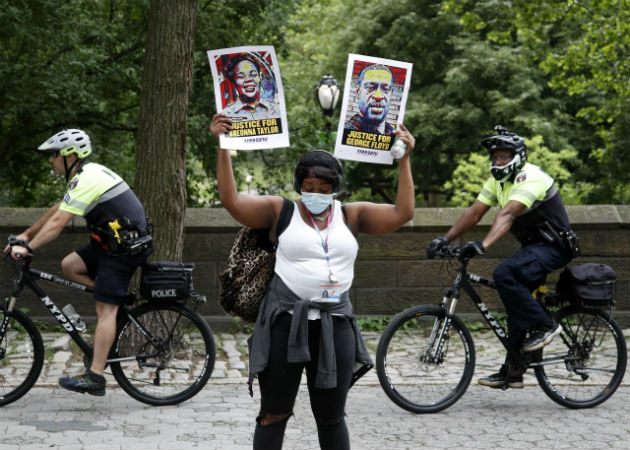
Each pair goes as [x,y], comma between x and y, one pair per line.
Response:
[255,127]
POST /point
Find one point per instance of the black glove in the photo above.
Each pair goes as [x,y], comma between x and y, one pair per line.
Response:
[435,245]
[472,249]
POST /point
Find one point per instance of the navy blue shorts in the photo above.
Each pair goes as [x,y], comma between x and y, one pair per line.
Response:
[111,273]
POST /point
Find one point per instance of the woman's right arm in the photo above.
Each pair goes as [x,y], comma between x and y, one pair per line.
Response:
[254,211]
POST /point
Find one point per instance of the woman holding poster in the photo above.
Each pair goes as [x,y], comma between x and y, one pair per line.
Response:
[306,321]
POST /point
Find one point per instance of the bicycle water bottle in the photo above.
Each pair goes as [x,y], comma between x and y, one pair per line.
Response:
[398,149]
[74,317]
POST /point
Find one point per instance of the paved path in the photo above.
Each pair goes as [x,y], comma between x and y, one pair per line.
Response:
[222,416]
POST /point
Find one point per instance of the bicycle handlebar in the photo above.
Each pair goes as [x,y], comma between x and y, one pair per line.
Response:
[449,251]
[453,251]
[13,240]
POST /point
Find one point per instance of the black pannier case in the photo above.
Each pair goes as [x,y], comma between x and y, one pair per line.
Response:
[166,280]
[588,284]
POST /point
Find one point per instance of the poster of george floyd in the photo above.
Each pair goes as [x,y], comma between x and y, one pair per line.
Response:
[248,88]
[373,105]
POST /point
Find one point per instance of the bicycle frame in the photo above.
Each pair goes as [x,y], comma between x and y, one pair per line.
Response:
[465,281]
[29,278]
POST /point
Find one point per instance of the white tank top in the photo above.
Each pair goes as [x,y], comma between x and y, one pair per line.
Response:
[301,259]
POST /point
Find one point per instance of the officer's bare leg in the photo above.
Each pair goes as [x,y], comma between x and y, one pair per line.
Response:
[74,269]
[103,335]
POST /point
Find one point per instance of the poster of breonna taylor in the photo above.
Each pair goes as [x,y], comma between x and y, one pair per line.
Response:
[373,105]
[248,88]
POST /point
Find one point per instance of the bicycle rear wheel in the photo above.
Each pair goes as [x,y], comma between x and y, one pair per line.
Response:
[21,356]
[584,365]
[416,374]
[176,366]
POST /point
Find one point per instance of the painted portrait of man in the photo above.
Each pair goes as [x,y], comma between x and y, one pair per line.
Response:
[375,85]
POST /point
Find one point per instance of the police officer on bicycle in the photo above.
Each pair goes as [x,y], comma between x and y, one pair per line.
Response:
[531,208]
[120,240]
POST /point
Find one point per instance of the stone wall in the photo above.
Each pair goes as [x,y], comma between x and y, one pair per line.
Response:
[392,271]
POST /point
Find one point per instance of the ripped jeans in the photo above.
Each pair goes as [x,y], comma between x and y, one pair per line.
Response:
[279,385]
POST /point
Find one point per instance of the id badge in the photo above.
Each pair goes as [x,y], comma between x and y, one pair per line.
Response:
[330,293]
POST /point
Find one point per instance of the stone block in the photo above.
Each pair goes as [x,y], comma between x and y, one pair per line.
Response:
[375,273]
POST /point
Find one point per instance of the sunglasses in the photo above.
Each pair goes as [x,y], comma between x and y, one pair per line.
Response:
[501,158]
[54,154]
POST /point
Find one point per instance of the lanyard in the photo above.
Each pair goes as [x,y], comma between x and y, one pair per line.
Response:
[333,278]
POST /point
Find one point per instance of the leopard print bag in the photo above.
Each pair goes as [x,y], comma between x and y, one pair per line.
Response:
[250,266]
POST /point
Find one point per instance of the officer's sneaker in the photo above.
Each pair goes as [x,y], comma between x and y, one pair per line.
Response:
[88,382]
[502,380]
[541,337]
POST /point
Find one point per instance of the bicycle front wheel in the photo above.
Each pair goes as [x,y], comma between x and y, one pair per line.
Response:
[169,364]
[584,365]
[422,366]
[21,356]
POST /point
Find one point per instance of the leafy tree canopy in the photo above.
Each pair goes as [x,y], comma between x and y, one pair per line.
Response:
[554,71]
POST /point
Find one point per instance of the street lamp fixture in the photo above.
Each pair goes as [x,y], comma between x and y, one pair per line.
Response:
[327,94]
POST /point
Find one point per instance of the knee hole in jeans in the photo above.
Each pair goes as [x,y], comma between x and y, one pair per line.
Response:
[270,419]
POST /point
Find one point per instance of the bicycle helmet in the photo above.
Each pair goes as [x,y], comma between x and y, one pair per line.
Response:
[504,140]
[318,164]
[67,142]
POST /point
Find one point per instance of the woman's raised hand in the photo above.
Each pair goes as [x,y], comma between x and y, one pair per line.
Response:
[404,135]
[220,124]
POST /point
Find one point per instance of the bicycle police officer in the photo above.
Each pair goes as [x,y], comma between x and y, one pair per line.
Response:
[120,240]
[531,208]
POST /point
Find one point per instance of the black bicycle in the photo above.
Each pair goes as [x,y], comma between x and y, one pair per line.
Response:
[426,357]
[163,353]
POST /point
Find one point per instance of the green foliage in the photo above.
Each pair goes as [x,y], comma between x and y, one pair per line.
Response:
[468,178]
[373,323]
[551,70]
[589,63]
[66,64]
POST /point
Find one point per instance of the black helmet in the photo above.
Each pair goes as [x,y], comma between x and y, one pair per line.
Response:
[318,164]
[504,140]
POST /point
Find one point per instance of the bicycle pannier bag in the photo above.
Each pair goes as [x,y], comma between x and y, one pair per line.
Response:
[166,280]
[588,284]
[250,266]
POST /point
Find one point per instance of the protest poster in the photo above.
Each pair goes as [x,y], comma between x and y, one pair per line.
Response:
[248,88]
[373,105]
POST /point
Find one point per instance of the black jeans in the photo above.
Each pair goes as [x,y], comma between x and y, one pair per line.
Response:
[279,385]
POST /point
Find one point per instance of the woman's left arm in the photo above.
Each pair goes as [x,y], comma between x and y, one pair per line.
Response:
[373,218]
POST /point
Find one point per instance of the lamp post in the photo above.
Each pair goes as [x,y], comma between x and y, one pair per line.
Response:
[327,95]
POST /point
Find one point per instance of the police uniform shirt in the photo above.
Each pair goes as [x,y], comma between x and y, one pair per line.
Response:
[535,189]
[100,196]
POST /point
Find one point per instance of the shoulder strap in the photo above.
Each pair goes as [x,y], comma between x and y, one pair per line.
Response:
[285,216]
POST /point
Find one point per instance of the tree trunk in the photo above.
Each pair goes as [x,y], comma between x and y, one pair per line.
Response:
[161,156]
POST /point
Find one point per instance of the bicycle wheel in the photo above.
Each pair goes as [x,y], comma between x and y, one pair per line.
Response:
[21,356]
[416,374]
[172,369]
[584,365]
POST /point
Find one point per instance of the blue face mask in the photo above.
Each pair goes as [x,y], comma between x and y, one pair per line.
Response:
[316,203]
